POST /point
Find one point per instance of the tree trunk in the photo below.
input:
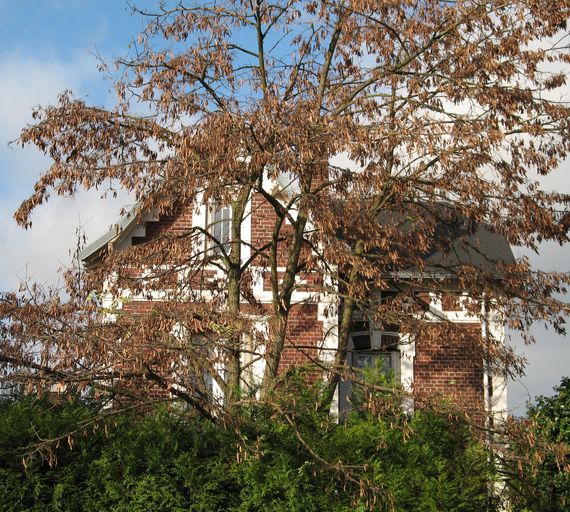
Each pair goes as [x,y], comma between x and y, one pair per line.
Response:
[282,305]
[333,378]
[234,271]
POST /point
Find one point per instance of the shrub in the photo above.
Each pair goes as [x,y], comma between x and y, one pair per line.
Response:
[289,459]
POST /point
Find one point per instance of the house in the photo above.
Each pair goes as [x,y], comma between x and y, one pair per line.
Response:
[449,367]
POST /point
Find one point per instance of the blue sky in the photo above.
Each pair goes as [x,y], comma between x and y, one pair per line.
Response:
[61,27]
[47,46]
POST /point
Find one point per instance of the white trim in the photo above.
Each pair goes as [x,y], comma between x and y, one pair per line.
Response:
[199,219]
[496,401]
[407,358]
[246,232]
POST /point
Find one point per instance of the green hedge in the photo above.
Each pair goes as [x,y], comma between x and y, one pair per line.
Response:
[162,462]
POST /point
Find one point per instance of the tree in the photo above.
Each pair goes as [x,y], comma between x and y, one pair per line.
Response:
[539,465]
[443,110]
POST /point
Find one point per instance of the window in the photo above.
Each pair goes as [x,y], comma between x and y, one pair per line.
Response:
[385,362]
[374,348]
[219,226]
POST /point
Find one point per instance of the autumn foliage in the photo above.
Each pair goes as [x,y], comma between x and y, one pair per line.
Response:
[392,127]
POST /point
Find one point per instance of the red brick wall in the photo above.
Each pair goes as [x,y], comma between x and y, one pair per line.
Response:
[304,328]
[140,385]
[176,221]
[305,332]
[450,368]
[138,307]
[263,219]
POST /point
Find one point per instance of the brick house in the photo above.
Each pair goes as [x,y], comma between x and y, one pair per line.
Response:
[445,368]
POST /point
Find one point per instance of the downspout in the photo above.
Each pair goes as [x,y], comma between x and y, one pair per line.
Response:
[487,377]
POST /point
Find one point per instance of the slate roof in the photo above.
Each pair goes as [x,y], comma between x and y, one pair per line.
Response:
[116,233]
[480,248]
[455,243]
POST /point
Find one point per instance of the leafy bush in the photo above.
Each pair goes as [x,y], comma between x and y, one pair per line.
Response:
[284,459]
[541,457]
[53,477]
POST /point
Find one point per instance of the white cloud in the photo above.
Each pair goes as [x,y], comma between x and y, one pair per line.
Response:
[38,253]
[27,81]
[547,362]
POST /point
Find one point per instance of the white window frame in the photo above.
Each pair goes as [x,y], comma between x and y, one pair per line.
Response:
[378,348]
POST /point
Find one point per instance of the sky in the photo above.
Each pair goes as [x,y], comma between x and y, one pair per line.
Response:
[48,46]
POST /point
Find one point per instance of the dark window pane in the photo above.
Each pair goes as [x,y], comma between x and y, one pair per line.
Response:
[359,325]
[390,341]
[361,341]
